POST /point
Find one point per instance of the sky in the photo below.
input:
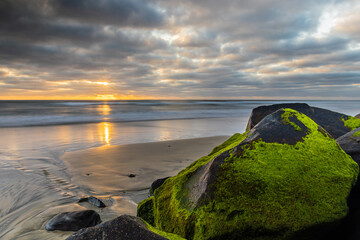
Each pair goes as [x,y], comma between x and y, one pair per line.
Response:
[185,49]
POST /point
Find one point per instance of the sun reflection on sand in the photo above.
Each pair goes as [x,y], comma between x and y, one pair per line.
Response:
[105,132]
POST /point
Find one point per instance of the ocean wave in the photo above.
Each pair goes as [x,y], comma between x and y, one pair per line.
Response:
[41,120]
[147,103]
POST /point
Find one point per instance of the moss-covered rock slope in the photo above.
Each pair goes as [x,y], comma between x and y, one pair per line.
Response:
[279,179]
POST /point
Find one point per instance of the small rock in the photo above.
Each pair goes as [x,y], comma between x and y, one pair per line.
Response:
[121,228]
[94,201]
[132,175]
[73,221]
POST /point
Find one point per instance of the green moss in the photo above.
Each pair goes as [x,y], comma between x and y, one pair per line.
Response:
[170,236]
[351,122]
[356,134]
[269,192]
[145,210]
[286,115]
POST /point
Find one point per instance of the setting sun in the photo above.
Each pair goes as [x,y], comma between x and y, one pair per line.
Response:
[105,97]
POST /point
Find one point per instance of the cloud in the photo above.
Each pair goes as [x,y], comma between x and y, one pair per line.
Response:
[175,49]
[134,13]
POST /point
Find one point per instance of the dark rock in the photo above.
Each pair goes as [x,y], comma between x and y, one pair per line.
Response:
[357,116]
[350,143]
[260,112]
[131,175]
[331,121]
[156,184]
[73,221]
[121,228]
[285,179]
[94,201]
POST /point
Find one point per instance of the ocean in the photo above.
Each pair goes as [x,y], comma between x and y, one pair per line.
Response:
[35,134]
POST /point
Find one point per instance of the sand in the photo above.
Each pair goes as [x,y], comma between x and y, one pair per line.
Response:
[105,170]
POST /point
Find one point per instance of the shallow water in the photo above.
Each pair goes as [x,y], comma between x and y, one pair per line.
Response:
[35,183]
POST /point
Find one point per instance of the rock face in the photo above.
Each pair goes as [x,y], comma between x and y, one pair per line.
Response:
[73,221]
[336,124]
[357,116]
[94,201]
[121,228]
[285,179]
[350,143]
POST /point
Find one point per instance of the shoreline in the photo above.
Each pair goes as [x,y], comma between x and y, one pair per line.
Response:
[105,170]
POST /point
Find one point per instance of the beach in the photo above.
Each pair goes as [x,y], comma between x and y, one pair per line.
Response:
[104,172]
[86,149]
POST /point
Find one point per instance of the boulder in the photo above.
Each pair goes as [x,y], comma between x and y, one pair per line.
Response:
[121,228]
[94,201]
[285,179]
[336,124]
[357,116]
[350,143]
[73,221]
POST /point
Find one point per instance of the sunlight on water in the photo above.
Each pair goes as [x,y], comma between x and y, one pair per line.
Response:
[104,109]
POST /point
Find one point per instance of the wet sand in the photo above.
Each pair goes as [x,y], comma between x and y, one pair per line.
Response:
[105,170]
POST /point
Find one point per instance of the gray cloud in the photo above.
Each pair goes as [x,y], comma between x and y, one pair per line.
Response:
[181,48]
[136,13]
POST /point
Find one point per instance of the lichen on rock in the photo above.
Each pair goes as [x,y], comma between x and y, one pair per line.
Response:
[259,185]
[351,122]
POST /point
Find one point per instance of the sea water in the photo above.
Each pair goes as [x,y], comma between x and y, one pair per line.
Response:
[34,134]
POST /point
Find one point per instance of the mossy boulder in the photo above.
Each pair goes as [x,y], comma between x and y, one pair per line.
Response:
[336,124]
[260,185]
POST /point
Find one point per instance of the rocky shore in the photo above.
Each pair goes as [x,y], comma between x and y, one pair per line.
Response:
[292,175]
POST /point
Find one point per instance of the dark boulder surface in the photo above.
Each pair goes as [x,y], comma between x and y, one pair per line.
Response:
[350,143]
[73,221]
[357,116]
[334,123]
[121,228]
[285,179]
[94,201]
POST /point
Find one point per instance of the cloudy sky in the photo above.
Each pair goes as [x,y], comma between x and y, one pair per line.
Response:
[188,49]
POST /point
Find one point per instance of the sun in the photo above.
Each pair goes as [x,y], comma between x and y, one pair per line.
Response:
[105,97]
